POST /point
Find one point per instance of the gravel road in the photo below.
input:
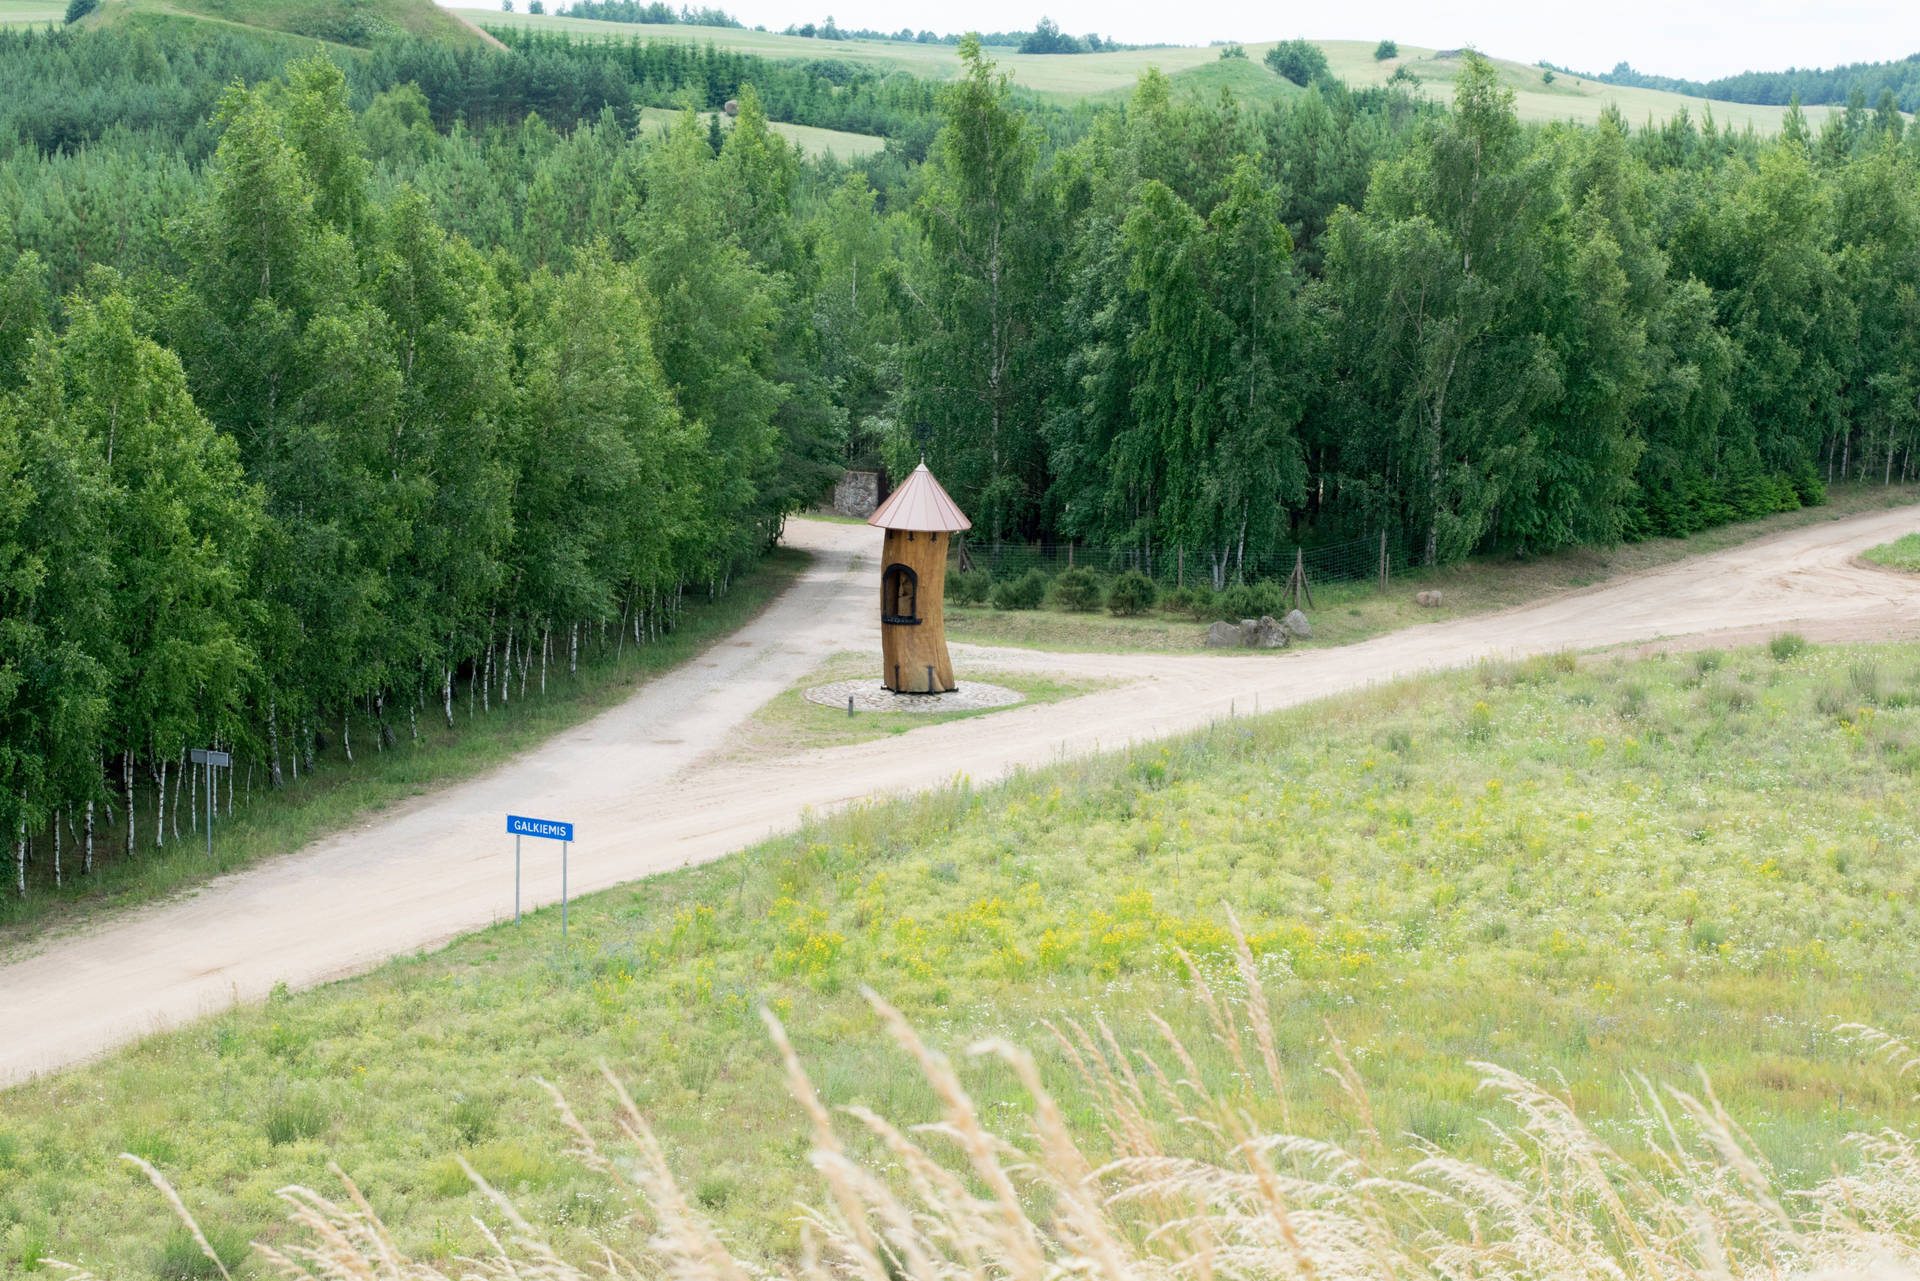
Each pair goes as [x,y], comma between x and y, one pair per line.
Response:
[645,786]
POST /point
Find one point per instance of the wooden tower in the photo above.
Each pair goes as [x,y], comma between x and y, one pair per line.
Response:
[920,521]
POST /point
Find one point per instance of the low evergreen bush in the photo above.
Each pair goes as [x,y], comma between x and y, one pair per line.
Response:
[1076,590]
[1131,593]
[1025,592]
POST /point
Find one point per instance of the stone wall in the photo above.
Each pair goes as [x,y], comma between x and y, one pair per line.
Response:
[857,493]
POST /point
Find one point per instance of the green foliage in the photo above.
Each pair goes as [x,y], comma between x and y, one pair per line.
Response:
[1027,591]
[1076,591]
[1250,600]
[1299,60]
[1385,50]
[1787,646]
[1131,593]
[1233,49]
[78,9]
[970,588]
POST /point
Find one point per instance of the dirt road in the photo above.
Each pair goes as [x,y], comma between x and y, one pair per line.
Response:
[641,784]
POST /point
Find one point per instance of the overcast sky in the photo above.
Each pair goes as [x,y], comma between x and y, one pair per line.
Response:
[1698,40]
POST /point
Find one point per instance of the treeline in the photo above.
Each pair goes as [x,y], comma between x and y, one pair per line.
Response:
[1203,332]
[148,86]
[1046,37]
[1861,82]
[654,12]
[316,467]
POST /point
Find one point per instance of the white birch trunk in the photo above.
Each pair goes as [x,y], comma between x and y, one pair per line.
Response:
[126,779]
[273,741]
[346,733]
[160,808]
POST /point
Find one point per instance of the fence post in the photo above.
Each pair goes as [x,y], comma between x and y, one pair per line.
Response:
[1383,560]
[1180,562]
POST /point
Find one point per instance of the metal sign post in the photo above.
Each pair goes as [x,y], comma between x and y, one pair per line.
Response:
[212,760]
[550,829]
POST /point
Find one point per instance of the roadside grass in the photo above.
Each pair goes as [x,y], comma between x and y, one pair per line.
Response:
[788,723]
[1343,613]
[1901,553]
[339,792]
[1580,870]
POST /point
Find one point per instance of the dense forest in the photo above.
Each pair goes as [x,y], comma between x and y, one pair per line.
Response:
[339,395]
[1859,83]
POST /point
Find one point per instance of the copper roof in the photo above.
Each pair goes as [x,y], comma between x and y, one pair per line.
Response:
[920,504]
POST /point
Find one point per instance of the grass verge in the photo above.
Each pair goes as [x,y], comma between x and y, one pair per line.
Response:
[339,792]
[1901,553]
[1343,613]
[1578,871]
[789,723]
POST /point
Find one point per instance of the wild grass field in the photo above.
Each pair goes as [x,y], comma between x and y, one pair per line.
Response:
[1901,553]
[1579,870]
[811,140]
[1345,612]
[15,13]
[1097,74]
[339,792]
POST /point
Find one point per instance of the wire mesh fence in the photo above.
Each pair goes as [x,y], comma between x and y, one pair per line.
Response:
[1372,558]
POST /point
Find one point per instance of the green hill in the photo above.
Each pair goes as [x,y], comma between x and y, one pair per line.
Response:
[1084,75]
[355,23]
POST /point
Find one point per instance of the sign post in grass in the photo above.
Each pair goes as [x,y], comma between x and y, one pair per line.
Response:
[552,830]
[212,760]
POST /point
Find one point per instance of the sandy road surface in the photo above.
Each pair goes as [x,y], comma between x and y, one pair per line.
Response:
[641,784]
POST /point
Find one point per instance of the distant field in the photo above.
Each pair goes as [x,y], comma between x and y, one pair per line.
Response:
[813,142]
[1095,74]
[20,13]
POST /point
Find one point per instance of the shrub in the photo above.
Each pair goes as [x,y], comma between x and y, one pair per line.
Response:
[473,1116]
[1707,660]
[78,9]
[1633,702]
[294,1115]
[1177,601]
[1132,593]
[1250,600]
[1299,61]
[970,589]
[1864,676]
[1787,645]
[1024,592]
[1386,49]
[1077,590]
[1233,50]
[182,1259]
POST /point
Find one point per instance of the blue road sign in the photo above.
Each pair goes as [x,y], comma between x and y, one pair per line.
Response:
[552,829]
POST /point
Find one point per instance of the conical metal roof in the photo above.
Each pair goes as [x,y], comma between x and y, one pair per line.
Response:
[920,504]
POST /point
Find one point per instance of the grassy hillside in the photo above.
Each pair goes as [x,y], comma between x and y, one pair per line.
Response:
[1094,74]
[346,22]
[1582,870]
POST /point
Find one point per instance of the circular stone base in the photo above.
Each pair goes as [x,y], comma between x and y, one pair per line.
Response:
[871,696]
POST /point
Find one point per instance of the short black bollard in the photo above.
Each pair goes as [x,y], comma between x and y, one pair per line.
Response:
[849,707]
[930,688]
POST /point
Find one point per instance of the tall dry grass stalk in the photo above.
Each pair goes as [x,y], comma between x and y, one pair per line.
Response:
[1194,1190]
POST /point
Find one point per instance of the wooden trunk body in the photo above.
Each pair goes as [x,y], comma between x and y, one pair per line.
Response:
[913,656]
